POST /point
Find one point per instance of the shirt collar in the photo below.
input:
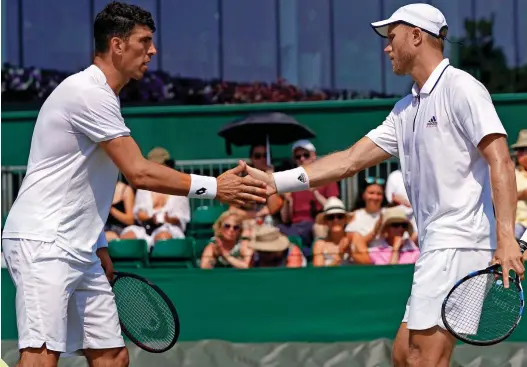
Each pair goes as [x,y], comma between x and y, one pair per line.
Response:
[432,80]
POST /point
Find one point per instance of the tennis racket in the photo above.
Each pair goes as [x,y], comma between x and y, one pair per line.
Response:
[479,310]
[147,316]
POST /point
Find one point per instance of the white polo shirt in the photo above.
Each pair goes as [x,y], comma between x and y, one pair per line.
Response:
[68,189]
[435,133]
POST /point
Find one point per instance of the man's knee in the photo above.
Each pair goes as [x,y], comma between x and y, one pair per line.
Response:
[38,357]
[430,347]
[399,354]
[123,358]
[400,347]
[115,357]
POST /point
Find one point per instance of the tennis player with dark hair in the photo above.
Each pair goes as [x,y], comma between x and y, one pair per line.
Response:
[53,240]
[447,135]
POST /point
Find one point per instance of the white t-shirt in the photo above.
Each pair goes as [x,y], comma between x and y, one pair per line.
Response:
[68,189]
[363,222]
[435,132]
[176,206]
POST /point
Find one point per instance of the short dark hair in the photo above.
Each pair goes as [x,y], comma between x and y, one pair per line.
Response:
[118,20]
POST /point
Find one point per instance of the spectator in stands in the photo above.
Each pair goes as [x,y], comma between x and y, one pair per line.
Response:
[263,212]
[396,195]
[391,247]
[520,150]
[300,208]
[367,218]
[122,211]
[257,214]
[159,216]
[227,249]
[272,249]
[334,248]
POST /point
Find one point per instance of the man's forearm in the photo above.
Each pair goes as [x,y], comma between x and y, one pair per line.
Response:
[505,196]
[337,166]
[156,177]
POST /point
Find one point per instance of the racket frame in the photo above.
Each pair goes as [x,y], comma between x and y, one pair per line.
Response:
[493,269]
[120,274]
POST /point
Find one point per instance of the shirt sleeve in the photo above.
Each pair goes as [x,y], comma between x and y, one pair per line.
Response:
[101,241]
[474,112]
[99,116]
[384,135]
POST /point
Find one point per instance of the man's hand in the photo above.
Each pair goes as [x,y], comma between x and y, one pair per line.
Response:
[509,256]
[106,262]
[233,189]
[263,177]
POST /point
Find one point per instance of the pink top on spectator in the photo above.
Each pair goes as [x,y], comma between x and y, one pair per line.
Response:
[304,200]
[380,252]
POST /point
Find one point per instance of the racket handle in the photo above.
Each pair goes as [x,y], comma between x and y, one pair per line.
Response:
[523,245]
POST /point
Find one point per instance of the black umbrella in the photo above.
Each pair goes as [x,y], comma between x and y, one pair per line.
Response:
[275,127]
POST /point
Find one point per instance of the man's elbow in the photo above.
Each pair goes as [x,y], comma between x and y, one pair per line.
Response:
[352,167]
[137,176]
[505,163]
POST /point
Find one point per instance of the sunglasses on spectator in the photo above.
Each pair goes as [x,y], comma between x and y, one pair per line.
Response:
[399,225]
[229,226]
[377,180]
[306,155]
[259,155]
[331,217]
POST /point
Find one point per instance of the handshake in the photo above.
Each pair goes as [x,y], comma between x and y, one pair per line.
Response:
[257,186]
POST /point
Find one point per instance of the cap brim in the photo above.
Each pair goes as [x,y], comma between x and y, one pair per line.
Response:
[381,27]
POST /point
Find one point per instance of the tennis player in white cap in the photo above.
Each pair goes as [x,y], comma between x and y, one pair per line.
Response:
[453,153]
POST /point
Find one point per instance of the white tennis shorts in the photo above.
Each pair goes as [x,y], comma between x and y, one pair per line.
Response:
[436,272]
[60,301]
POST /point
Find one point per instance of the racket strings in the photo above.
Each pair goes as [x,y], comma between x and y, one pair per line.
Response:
[481,309]
[144,313]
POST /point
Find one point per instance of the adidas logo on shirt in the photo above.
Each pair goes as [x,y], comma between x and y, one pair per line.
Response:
[432,122]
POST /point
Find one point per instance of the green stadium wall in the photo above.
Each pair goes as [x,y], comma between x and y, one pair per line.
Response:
[190,132]
[323,305]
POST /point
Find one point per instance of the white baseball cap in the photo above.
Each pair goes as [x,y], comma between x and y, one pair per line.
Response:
[306,144]
[424,16]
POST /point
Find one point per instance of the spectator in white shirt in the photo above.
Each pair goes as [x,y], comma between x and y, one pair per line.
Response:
[159,216]
[367,219]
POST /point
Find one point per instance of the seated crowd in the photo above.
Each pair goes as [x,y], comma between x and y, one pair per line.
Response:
[294,229]
[324,232]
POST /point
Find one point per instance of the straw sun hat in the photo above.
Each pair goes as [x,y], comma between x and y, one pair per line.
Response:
[333,206]
[395,215]
[522,140]
[268,239]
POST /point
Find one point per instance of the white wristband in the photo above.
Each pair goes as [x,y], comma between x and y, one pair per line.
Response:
[202,187]
[291,180]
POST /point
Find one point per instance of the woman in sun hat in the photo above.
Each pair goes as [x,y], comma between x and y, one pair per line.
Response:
[332,249]
[391,247]
[520,151]
[272,249]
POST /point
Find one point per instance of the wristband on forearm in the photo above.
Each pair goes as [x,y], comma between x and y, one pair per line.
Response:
[291,180]
[202,187]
